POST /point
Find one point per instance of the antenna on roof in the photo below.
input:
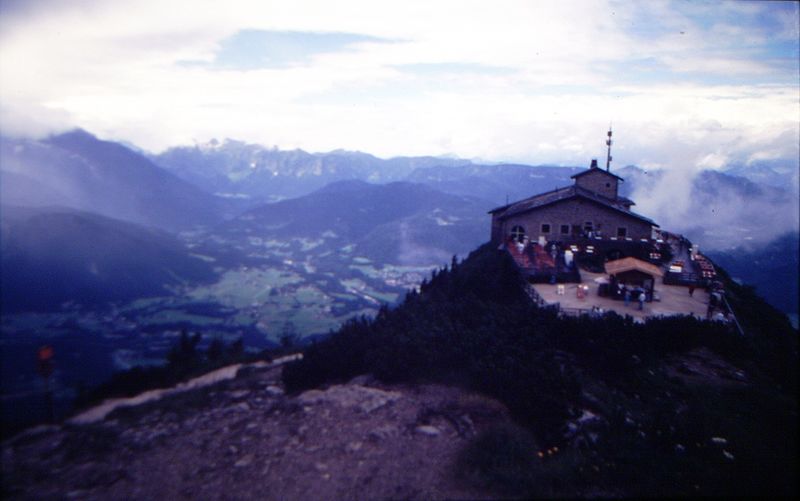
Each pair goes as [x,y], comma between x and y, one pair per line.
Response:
[608,143]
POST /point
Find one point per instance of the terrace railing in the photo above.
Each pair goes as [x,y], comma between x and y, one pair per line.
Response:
[733,315]
[535,297]
[573,312]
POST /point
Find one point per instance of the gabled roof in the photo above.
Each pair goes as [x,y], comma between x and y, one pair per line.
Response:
[595,169]
[561,194]
[539,200]
[631,263]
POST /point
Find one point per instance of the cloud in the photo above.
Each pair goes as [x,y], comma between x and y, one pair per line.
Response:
[680,81]
[256,49]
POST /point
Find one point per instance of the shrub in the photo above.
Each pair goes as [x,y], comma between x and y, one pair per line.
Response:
[503,459]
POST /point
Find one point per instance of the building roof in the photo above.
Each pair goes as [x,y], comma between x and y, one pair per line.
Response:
[631,263]
[561,194]
[595,169]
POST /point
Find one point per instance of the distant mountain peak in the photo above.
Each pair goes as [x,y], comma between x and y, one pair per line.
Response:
[74,134]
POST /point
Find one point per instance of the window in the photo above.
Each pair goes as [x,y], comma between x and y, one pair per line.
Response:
[565,229]
[545,227]
[587,226]
[608,185]
[518,233]
[622,232]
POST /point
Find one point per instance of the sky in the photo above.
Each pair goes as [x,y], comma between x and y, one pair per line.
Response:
[685,85]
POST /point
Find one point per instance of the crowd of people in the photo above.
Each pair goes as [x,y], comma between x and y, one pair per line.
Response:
[630,293]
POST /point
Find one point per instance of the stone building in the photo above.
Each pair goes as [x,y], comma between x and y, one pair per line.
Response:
[590,208]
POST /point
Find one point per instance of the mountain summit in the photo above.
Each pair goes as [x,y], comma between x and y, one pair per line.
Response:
[466,390]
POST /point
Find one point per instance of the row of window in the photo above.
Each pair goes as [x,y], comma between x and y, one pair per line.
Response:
[518,232]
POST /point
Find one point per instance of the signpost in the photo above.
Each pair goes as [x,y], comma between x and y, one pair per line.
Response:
[45,366]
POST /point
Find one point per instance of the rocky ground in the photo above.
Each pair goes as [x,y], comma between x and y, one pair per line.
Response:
[243,438]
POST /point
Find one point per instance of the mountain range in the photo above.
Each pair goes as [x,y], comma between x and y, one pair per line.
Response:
[268,174]
[435,207]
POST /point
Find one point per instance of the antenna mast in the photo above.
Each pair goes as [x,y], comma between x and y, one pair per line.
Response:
[608,143]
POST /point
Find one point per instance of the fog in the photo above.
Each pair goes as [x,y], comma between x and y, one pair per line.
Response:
[715,210]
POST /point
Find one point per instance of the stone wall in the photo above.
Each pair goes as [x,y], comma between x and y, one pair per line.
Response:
[574,213]
[600,182]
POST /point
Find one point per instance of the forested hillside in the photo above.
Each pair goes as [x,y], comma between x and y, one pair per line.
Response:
[673,406]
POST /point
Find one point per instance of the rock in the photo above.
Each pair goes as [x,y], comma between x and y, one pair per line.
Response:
[382,432]
[431,431]
[363,398]
[274,391]
[353,446]
[355,443]
[238,394]
[244,461]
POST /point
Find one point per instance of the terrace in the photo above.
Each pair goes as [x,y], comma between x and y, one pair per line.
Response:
[583,298]
[585,259]
[543,263]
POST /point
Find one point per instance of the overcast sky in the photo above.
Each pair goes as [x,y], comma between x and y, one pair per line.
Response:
[700,84]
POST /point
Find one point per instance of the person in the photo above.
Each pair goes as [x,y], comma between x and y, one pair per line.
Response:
[642,297]
[691,290]
[627,296]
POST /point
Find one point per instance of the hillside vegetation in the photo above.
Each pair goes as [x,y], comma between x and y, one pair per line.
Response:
[607,406]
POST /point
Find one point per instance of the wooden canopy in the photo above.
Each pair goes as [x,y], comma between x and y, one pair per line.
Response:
[631,263]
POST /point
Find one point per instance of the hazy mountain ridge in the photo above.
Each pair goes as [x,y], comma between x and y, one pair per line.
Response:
[52,256]
[776,173]
[356,212]
[773,270]
[499,183]
[717,209]
[269,173]
[102,177]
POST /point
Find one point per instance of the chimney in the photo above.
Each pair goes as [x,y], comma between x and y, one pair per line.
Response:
[594,164]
